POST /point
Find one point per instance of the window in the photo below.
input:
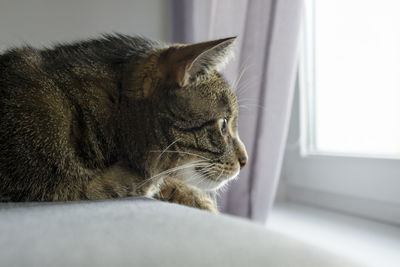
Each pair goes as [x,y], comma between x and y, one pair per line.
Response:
[349,106]
[353,66]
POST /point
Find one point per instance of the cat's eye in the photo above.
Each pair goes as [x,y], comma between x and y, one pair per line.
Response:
[224,127]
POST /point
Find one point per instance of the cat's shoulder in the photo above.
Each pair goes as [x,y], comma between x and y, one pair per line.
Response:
[20,55]
[106,43]
[104,50]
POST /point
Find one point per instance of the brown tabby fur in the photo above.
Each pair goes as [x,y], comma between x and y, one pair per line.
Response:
[117,116]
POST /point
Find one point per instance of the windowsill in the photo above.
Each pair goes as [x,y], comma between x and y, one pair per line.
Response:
[367,242]
[316,153]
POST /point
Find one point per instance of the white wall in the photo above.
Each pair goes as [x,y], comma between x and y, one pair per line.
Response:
[41,22]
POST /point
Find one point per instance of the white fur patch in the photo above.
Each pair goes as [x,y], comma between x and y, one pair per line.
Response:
[190,176]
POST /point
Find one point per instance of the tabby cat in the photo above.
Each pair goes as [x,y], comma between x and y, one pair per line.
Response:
[118,116]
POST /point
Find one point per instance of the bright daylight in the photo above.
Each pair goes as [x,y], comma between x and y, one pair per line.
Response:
[357,81]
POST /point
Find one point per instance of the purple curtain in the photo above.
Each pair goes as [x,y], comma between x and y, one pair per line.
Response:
[266,62]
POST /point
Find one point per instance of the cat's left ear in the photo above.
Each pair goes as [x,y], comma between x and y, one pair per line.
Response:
[187,62]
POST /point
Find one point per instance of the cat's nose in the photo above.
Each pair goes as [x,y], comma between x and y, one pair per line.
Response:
[242,161]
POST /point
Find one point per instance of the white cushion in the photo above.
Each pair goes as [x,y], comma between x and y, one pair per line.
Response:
[142,232]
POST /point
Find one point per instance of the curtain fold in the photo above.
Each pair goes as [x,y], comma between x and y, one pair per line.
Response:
[263,73]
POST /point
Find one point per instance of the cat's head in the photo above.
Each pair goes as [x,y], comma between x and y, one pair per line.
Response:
[192,117]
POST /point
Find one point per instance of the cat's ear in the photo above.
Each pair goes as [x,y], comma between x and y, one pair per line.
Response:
[186,62]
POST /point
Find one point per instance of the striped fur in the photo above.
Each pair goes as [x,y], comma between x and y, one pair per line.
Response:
[117,116]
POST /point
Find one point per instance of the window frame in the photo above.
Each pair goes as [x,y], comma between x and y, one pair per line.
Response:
[364,185]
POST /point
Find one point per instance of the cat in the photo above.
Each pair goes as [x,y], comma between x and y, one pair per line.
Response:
[118,116]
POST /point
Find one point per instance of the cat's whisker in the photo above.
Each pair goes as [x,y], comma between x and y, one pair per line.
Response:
[171,170]
[239,78]
[221,190]
[168,147]
[245,66]
[243,88]
[225,186]
[222,171]
[179,152]
[176,169]
[209,169]
[195,178]
[247,99]
[243,106]
[248,105]
[206,178]
[210,173]
[201,179]
[207,173]
[257,106]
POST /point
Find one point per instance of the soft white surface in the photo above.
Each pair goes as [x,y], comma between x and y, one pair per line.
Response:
[367,242]
[143,232]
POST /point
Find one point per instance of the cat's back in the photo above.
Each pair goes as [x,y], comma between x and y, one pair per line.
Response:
[22,64]
[19,67]
[19,56]
[28,94]
[68,67]
[59,112]
[25,85]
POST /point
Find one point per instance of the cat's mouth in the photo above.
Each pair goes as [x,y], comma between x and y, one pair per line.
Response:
[209,178]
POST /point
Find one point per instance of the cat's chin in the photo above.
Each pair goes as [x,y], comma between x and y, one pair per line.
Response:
[211,185]
[208,184]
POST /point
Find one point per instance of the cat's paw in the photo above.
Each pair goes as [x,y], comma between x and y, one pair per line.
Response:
[205,203]
[175,191]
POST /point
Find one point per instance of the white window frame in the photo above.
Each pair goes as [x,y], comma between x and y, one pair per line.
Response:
[364,185]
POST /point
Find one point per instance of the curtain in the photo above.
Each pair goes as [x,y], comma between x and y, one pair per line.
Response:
[263,73]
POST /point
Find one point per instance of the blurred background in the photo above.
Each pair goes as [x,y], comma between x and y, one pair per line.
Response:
[43,22]
[319,90]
